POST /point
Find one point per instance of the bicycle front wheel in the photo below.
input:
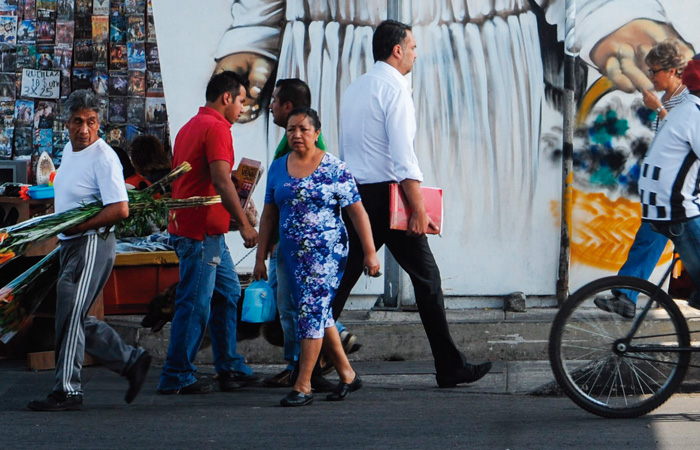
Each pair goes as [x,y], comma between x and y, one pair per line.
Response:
[607,368]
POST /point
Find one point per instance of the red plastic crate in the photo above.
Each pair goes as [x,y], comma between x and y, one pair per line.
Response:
[136,278]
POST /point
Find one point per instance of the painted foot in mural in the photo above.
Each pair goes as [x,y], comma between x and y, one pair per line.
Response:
[618,303]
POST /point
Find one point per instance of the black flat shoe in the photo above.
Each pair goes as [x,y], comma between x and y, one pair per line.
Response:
[343,389]
[469,374]
[296,398]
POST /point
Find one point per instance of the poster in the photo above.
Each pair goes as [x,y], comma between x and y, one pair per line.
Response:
[26,32]
[136,55]
[135,6]
[6,137]
[152,59]
[117,24]
[136,29]
[24,113]
[47,5]
[100,29]
[24,143]
[83,7]
[82,78]
[26,57]
[100,7]
[99,82]
[45,27]
[64,10]
[82,55]
[117,110]
[7,86]
[65,33]
[8,30]
[62,58]
[151,35]
[117,57]
[155,110]
[137,83]
[115,136]
[8,58]
[44,57]
[118,83]
[136,111]
[154,84]
[44,114]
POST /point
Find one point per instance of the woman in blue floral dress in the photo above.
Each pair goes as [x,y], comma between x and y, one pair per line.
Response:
[305,191]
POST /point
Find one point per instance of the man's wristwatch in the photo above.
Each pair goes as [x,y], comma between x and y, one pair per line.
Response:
[658,110]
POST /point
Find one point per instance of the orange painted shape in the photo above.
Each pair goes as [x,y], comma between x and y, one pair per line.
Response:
[604,229]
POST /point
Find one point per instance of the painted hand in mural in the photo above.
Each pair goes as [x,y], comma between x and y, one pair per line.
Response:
[257,69]
[620,55]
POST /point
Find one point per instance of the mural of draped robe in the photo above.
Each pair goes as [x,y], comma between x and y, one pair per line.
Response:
[478,88]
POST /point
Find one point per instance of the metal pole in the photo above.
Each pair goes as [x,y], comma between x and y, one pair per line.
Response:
[570,54]
[396,283]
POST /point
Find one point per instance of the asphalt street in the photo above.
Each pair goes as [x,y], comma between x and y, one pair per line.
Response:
[400,407]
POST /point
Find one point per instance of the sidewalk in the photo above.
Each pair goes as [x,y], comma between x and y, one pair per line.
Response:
[482,334]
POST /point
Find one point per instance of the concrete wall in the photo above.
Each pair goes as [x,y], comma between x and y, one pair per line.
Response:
[487,87]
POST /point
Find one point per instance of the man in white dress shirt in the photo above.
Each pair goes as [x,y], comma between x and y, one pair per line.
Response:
[378,127]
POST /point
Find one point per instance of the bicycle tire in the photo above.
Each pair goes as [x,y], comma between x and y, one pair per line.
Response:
[611,383]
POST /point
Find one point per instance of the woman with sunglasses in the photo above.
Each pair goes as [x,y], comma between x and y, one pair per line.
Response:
[666,62]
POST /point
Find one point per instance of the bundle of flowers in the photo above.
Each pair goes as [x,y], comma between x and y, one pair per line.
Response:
[143,207]
[22,296]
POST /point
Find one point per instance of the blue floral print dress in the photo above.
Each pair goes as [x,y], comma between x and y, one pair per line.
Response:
[313,237]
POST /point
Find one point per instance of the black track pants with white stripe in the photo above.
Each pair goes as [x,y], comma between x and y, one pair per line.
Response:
[86,263]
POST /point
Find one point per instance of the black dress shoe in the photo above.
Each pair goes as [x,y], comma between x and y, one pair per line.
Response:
[343,389]
[469,374]
[296,398]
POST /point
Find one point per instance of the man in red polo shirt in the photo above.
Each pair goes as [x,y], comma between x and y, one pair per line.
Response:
[197,234]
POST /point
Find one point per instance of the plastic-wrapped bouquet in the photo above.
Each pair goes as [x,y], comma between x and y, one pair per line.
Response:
[22,296]
[144,210]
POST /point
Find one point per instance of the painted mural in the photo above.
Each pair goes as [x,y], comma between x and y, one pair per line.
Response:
[487,86]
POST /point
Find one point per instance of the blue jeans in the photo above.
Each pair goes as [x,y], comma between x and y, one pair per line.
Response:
[647,248]
[686,237]
[288,310]
[205,266]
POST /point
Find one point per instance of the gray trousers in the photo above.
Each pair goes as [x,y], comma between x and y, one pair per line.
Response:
[86,263]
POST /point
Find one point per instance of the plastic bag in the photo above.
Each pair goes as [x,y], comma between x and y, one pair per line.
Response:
[259,303]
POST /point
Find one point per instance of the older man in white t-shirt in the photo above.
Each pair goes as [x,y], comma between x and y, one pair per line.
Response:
[90,170]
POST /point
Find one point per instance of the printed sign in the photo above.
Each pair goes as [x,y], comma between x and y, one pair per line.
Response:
[41,83]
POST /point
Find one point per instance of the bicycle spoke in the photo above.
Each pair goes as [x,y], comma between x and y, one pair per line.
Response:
[587,350]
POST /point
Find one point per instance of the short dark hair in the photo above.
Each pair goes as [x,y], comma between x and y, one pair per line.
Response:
[293,90]
[81,99]
[308,112]
[387,35]
[148,155]
[226,81]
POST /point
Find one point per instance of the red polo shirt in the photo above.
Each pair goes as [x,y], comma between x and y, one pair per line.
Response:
[205,138]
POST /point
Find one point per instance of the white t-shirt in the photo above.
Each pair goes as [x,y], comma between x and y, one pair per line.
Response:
[668,185]
[93,173]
